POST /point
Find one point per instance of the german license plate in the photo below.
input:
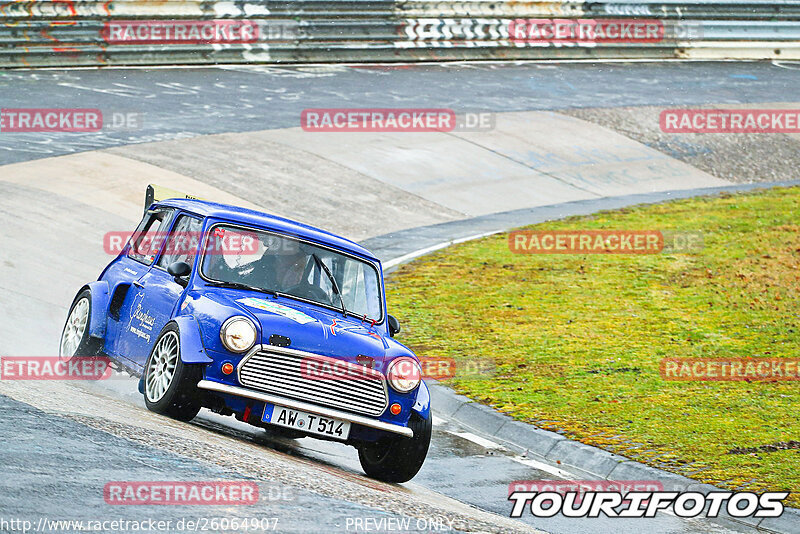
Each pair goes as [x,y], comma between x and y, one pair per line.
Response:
[307,422]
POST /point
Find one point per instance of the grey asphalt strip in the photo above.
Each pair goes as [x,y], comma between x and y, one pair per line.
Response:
[180,103]
[398,247]
[65,464]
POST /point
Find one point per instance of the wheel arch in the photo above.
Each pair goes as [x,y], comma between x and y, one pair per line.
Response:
[192,349]
[99,300]
[422,405]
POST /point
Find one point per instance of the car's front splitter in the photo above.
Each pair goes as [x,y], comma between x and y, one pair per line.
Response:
[305,407]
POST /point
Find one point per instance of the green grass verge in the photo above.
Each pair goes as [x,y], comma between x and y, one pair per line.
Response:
[576,340]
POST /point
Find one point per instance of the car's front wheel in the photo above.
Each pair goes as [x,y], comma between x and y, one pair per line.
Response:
[398,459]
[170,386]
[75,339]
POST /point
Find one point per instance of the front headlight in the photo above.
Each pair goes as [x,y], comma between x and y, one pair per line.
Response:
[404,374]
[238,334]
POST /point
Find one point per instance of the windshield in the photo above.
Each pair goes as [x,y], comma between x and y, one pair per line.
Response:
[287,265]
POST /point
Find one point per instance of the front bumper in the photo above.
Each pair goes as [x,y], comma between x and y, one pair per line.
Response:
[305,407]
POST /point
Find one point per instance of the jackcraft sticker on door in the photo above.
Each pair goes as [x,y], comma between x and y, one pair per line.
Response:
[144,319]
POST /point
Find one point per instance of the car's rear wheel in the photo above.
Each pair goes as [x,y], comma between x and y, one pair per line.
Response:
[75,339]
[398,459]
[170,386]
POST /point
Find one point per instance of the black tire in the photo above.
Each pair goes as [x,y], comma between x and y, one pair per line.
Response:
[87,346]
[181,398]
[398,459]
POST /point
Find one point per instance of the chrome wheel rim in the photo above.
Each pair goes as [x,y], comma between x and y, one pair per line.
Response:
[74,329]
[161,369]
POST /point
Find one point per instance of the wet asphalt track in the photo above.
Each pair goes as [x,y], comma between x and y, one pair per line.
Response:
[173,103]
[190,102]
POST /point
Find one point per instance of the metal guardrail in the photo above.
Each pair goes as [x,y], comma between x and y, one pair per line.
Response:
[126,32]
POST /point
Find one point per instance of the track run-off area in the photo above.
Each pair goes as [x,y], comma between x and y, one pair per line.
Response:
[559,133]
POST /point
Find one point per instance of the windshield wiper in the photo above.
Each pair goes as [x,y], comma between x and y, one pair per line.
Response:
[333,282]
[365,319]
[240,285]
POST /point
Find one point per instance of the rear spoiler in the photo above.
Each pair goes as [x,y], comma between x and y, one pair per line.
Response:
[154,193]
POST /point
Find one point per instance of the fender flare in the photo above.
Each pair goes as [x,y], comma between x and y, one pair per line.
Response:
[192,349]
[423,403]
[100,299]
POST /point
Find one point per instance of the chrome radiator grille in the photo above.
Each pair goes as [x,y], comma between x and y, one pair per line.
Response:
[285,372]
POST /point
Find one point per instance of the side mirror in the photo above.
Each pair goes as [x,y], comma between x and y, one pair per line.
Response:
[179,271]
[394,325]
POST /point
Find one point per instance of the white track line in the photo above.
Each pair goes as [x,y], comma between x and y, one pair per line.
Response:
[555,471]
[483,442]
[541,466]
[427,250]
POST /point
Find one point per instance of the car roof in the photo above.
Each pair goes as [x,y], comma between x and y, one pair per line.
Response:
[263,220]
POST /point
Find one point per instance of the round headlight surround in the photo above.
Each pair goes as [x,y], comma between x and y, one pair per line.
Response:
[235,322]
[402,383]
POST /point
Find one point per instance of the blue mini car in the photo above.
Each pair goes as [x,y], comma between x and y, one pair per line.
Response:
[280,324]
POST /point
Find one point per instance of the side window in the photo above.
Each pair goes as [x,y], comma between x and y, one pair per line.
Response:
[183,241]
[148,237]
